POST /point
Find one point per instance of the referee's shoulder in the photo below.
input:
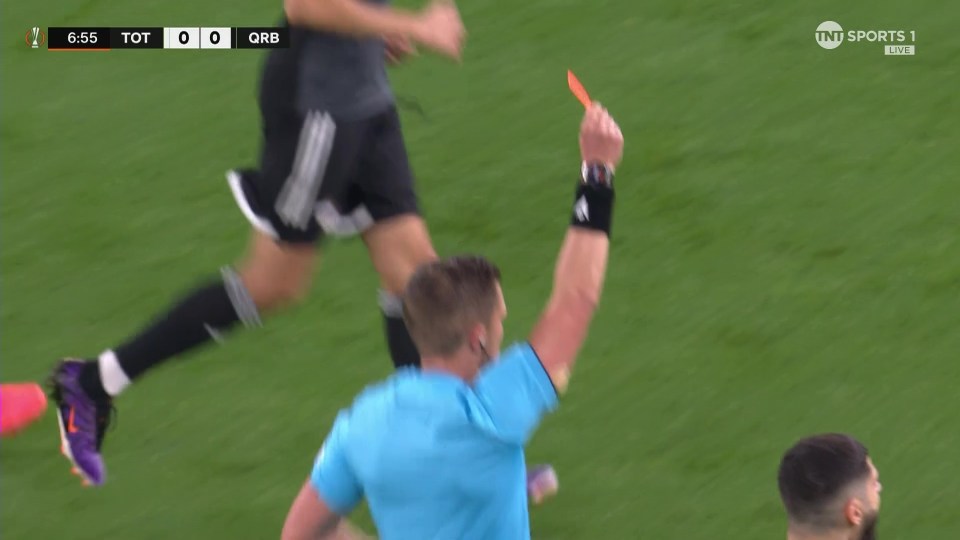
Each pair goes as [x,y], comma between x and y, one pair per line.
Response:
[376,393]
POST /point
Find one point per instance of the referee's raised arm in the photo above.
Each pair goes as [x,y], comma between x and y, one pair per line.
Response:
[582,263]
[437,26]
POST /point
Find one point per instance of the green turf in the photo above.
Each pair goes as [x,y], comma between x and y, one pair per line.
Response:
[785,260]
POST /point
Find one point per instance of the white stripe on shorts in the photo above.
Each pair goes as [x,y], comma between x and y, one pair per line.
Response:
[334,223]
[299,194]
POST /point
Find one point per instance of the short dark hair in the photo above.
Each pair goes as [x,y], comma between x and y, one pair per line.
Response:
[445,298]
[815,471]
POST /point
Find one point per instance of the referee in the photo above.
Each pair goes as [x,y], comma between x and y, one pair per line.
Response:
[438,453]
[332,161]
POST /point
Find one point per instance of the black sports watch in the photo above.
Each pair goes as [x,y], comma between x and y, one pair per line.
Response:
[596,174]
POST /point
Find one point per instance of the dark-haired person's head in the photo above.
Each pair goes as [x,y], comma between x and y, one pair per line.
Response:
[830,489]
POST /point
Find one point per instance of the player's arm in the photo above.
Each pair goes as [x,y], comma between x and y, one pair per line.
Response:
[438,26]
[582,263]
[331,492]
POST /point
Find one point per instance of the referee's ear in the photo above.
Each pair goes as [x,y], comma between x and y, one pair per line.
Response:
[477,339]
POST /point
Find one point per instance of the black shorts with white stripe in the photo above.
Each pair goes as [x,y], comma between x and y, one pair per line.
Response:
[321,176]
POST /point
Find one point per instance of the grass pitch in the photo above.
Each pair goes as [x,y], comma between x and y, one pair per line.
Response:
[785,260]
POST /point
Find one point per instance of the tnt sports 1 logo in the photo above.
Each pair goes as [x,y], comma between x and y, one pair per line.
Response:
[830,35]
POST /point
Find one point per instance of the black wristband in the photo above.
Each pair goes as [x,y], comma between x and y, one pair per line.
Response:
[593,204]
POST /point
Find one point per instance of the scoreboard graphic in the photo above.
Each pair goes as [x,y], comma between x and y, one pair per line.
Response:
[199,37]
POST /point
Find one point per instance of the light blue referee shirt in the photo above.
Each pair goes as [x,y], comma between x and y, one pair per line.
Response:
[437,458]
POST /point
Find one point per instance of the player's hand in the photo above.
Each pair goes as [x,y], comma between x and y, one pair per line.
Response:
[601,140]
[439,28]
[398,49]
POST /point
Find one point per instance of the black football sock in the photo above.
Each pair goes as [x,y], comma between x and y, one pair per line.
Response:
[402,350]
[203,315]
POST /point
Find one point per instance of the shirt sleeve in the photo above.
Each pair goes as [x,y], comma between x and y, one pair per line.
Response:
[332,476]
[516,393]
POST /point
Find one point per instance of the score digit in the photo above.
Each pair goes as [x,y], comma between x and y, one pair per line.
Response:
[216,38]
[182,38]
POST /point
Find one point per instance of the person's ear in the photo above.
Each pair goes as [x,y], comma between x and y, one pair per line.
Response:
[853,512]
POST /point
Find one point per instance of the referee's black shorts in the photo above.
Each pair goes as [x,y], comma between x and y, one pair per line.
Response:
[319,176]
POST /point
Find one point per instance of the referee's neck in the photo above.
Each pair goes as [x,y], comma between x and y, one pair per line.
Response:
[458,365]
[801,533]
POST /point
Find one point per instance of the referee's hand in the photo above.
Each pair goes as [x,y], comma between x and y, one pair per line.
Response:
[601,140]
[439,28]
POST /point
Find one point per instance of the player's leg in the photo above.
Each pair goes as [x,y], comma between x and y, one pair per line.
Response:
[279,200]
[272,275]
[275,272]
[397,246]
[385,209]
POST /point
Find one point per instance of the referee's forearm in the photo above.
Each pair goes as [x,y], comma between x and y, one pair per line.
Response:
[349,17]
[581,267]
[578,284]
